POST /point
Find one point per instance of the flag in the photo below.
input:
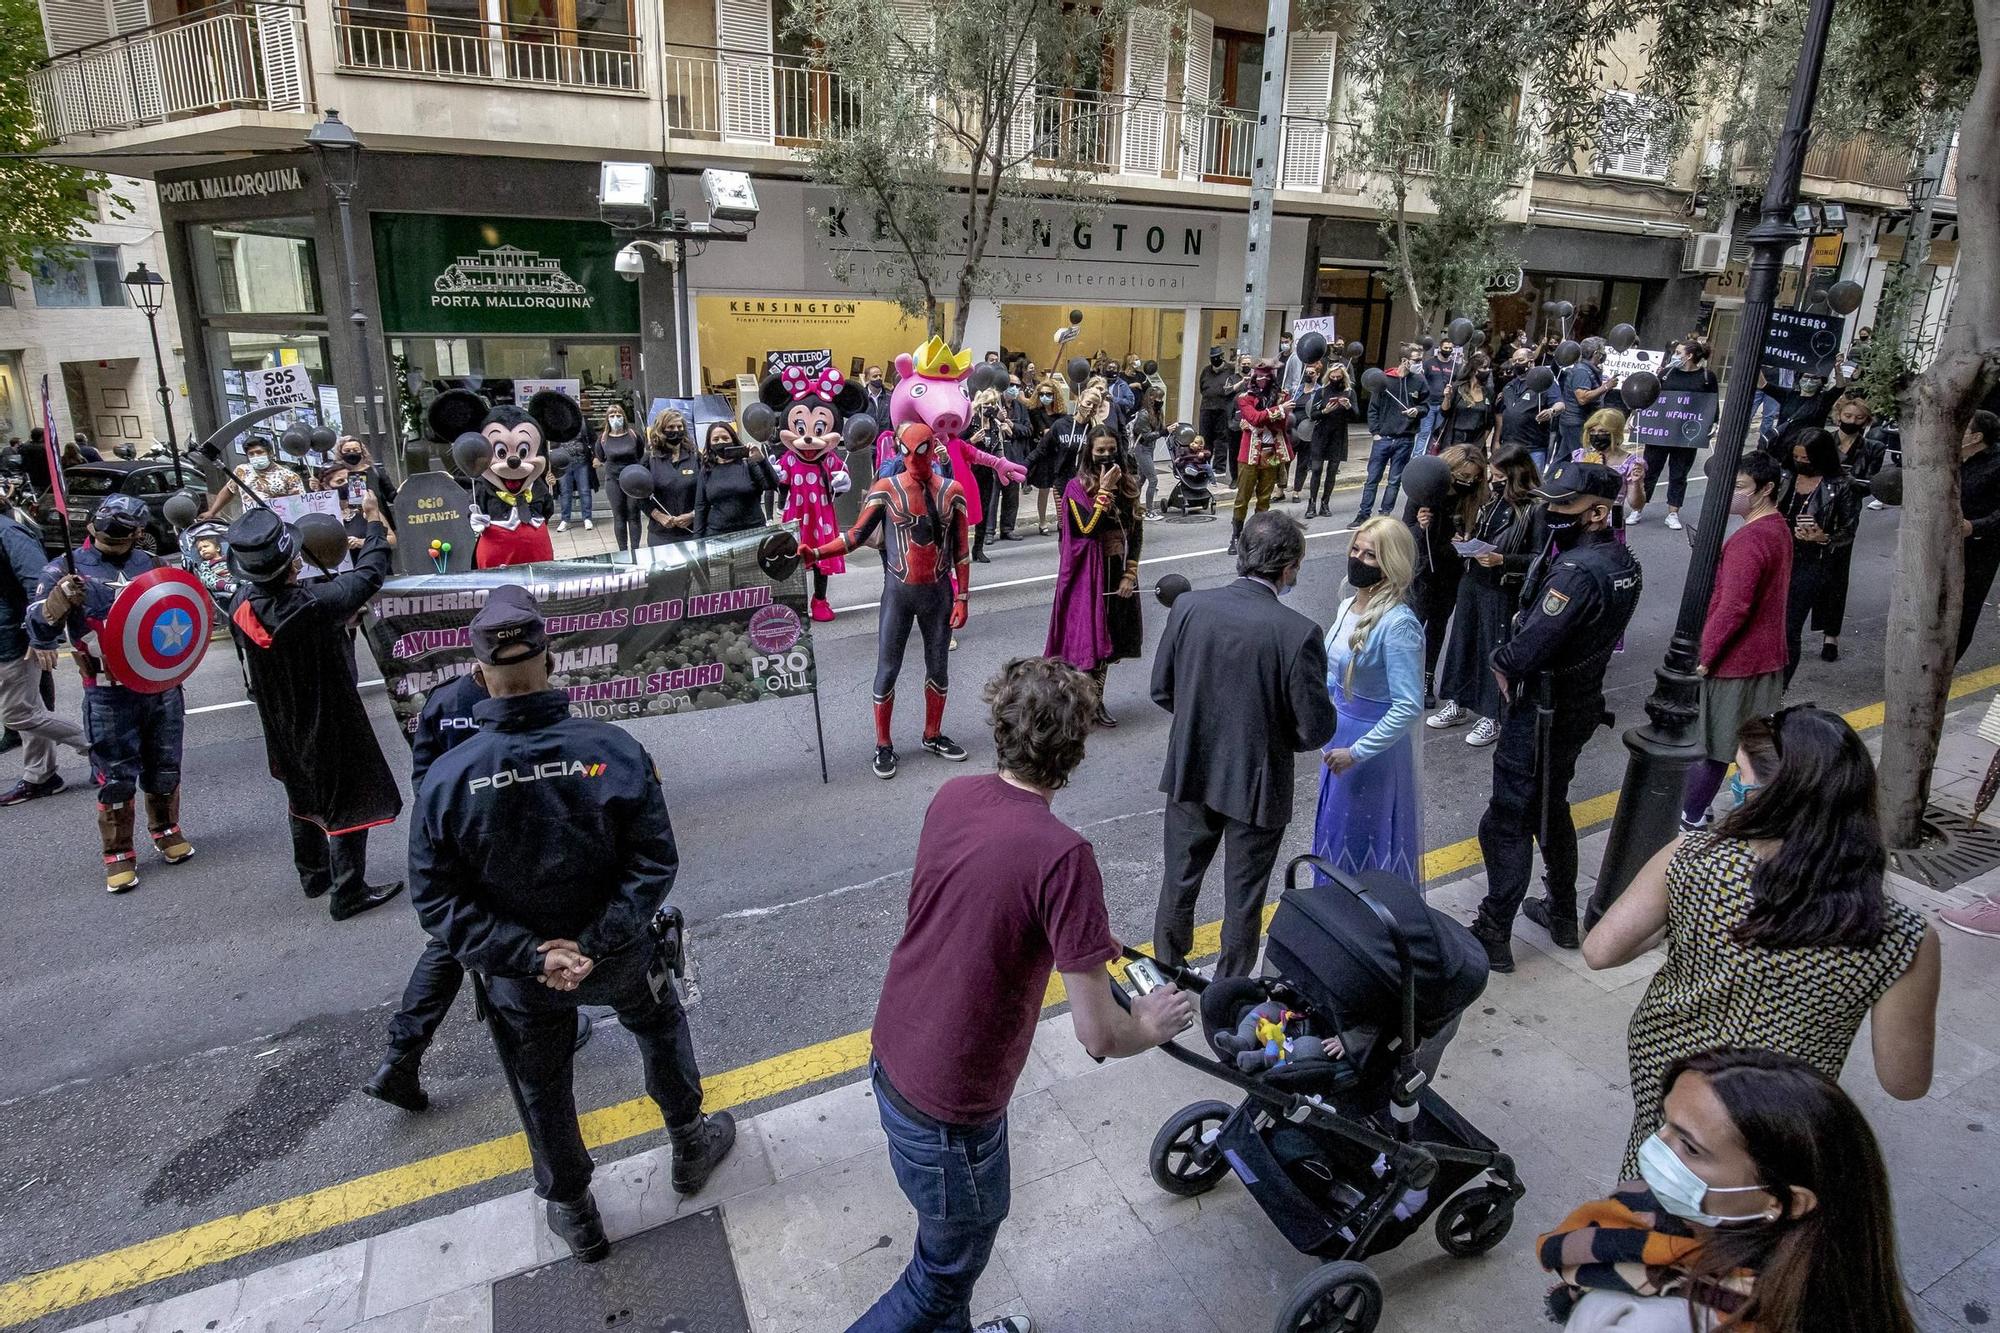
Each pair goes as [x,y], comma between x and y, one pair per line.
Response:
[56,495]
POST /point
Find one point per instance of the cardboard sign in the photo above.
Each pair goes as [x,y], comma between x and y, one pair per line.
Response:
[291,507]
[1320,324]
[813,361]
[1801,341]
[1617,364]
[1678,419]
[526,389]
[433,505]
[281,386]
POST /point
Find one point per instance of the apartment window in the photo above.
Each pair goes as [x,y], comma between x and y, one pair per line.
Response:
[93,279]
[265,267]
[1633,136]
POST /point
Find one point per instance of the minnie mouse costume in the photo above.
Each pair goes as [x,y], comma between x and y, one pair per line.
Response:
[812,407]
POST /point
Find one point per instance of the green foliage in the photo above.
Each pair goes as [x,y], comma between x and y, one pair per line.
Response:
[45,205]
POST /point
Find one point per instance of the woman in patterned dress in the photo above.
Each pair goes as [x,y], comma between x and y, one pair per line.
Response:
[1779,933]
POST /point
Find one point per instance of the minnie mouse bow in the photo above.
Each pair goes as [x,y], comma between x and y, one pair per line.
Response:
[804,383]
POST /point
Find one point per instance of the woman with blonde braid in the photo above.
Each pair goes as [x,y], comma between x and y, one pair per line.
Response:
[1095,618]
[1368,794]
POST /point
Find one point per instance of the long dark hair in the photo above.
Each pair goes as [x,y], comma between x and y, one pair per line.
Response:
[1523,477]
[711,454]
[1822,453]
[1128,473]
[1823,887]
[1832,1269]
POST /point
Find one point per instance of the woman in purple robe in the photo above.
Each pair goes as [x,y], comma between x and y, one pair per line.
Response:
[1095,618]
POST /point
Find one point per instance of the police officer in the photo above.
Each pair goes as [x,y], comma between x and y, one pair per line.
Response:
[1551,671]
[135,739]
[446,721]
[540,852]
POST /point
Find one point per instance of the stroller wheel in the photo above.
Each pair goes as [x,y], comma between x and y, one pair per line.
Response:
[1335,1298]
[1182,1161]
[1475,1221]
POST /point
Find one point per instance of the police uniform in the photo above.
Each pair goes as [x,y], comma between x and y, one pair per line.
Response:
[545,827]
[135,739]
[1575,608]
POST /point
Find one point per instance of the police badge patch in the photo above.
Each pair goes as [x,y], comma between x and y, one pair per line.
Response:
[1553,604]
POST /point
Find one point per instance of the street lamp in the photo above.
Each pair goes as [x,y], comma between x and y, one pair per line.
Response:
[1920,188]
[149,292]
[1649,803]
[339,153]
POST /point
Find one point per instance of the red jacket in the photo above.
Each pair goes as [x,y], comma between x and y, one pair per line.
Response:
[1255,416]
[1744,634]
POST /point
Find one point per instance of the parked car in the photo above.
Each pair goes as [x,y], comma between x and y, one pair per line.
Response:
[88,483]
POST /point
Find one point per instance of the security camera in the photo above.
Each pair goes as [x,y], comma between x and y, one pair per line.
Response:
[629,264]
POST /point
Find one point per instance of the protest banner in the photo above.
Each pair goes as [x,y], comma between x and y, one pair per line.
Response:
[1801,341]
[693,625]
[280,386]
[1320,324]
[1617,364]
[811,361]
[1678,419]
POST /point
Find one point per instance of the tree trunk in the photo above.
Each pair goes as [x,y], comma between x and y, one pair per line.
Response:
[1930,573]
[963,312]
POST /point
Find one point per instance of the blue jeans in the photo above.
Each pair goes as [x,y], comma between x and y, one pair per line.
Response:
[1391,452]
[135,741]
[1433,417]
[958,1179]
[576,482]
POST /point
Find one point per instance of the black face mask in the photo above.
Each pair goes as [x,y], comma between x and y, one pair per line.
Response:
[1851,428]
[351,455]
[1362,575]
[1464,487]
[1805,469]
[1499,488]
[1566,529]
[1599,440]
[1215,358]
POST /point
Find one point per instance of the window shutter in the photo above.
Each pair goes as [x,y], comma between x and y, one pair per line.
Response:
[743,30]
[1308,97]
[278,39]
[1021,129]
[1145,88]
[1196,63]
[68,24]
[1632,138]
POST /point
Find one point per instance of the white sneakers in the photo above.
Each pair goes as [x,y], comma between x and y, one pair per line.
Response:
[1487,732]
[588,525]
[1634,517]
[1874,503]
[563,526]
[1451,715]
[1674,519]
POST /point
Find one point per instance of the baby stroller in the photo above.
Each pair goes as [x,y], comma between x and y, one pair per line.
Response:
[1347,1155]
[1194,474]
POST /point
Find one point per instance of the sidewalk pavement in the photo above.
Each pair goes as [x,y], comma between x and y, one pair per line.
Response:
[818,1228]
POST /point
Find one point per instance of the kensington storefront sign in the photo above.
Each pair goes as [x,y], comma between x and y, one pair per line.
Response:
[443,274]
[235,185]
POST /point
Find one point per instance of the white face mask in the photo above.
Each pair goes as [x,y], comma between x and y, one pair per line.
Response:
[1682,1192]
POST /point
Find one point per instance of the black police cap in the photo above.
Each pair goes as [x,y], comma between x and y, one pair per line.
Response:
[509,628]
[1567,480]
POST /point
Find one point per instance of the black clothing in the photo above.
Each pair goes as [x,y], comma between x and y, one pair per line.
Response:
[1796,410]
[1677,380]
[1386,417]
[1055,458]
[617,452]
[1193,833]
[1469,423]
[1979,502]
[447,720]
[336,863]
[1518,407]
[1437,378]
[1219,387]
[317,735]
[1488,599]
[1434,590]
[1676,463]
[732,497]
[676,490]
[1835,505]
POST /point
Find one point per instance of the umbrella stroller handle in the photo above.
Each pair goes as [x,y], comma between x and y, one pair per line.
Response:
[1408,1077]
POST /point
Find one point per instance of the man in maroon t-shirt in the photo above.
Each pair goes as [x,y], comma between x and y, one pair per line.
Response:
[1003,893]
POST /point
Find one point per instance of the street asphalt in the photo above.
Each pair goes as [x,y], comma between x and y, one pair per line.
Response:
[193,1049]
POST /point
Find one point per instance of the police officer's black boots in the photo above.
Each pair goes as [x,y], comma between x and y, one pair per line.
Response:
[1497,941]
[395,1082]
[580,1226]
[699,1149]
[1560,925]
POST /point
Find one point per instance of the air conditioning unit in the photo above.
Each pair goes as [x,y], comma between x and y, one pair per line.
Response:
[1705,252]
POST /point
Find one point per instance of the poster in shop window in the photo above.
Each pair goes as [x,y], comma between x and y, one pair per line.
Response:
[704,625]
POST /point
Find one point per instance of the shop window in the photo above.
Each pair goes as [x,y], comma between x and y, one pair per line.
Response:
[266,267]
[93,278]
[739,333]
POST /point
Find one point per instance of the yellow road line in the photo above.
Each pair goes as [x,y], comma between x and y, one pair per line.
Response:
[206,1243]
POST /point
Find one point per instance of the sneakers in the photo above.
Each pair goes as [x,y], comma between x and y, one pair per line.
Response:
[581,1228]
[820,610]
[562,525]
[1981,917]
[1451,715]
[395,1082]
[944,747]
[885,762]
[1674,520]
[1013,1323]
[1633,517]
[1562,929]
[1498,944]
[1694,825]
[588,525]
[24,791]
[1487,732]
[699,1149]
[1873,503]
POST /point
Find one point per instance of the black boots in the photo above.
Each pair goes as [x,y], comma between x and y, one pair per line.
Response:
[395,1082]
[1235,536]
[1498,943]
[1560,925]
[699,1149]
[581,1228]
[344,906]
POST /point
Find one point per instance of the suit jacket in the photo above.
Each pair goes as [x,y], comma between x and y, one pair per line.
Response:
[1245,678]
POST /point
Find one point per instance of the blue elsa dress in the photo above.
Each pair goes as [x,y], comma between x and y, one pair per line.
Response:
[1369,817]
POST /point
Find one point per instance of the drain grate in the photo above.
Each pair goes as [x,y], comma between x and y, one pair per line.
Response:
[675,1278]
[1950,851]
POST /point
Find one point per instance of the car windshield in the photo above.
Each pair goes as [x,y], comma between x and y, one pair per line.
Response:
[90,485]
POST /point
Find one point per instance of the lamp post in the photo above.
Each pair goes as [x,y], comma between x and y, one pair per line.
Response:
[149,290]
[339,153]
[1649,802]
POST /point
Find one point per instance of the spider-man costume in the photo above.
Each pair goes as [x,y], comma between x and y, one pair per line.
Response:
[925,542]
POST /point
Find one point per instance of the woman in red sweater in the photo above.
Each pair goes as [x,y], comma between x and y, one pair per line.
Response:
[1742,662]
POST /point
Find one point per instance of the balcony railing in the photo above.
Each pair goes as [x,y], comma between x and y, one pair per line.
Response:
[1861,160]
[229,56]
[425,46]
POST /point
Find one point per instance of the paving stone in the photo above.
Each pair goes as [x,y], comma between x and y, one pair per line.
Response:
[468,1310]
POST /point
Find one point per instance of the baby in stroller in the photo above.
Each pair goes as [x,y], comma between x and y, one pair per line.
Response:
[1194,474]
[1343,1143]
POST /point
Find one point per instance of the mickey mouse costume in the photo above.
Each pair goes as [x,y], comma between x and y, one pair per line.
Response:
[512,500]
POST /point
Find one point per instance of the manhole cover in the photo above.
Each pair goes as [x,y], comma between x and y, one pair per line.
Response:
[1951,850]
[675,1278]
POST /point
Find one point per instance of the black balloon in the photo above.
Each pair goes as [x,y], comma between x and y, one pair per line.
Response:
[986,375]
[636,480]
[1887,485]
[1428,343]
[1354,351]
[1311,348]
[1548,307]
[860,431]
[295,441]
[323,440]
[471,453]
[1077,371]
[1373,379]
[1480,336]
[1640,390]
[1622,337]
[760,423]
[1170,587]
[778,555]
[1151,367]
[1184,435]
[1844,297]
[1540,379]
[1076,317]
[1427,481]
[1565,308]
[323,538]
[1460,330]
[1567,352]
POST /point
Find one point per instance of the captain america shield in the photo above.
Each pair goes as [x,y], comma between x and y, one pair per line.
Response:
[157,631]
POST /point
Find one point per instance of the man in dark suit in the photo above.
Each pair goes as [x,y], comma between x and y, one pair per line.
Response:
[1245,678]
